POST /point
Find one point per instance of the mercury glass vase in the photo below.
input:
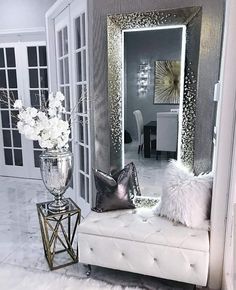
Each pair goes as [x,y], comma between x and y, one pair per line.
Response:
[56,168]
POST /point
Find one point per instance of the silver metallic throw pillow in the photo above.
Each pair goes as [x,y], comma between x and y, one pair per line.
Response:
[117,191]
[134,189]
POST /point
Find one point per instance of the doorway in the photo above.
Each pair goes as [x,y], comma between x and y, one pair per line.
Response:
[67,44]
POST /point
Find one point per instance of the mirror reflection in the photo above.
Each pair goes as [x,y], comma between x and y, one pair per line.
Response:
[153,68]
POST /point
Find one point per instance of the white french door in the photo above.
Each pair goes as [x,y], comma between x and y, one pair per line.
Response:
[23,75]
[72,80]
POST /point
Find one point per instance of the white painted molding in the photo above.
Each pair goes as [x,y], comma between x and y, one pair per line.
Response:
[57,8]
[229,259]
[224,148]
[22,35]
[234,247]
[32,30]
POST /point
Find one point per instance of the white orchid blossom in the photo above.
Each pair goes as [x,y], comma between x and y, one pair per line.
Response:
[41,115]
[60,96]
[52,112]
[18,104]
[46,127]
[55,103]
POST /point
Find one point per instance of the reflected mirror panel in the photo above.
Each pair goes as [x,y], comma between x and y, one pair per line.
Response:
[153,67]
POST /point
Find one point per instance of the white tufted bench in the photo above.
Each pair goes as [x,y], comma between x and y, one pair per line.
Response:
[138,241]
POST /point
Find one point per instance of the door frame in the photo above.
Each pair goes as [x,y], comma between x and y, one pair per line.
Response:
[225,123]
[58,7]
[82,6]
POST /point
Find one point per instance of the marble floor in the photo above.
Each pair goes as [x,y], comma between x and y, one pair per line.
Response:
[21,245]
[150,170]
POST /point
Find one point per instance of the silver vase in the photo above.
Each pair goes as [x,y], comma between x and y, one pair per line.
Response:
[56,168]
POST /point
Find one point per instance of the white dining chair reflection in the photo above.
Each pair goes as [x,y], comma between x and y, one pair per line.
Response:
[140,129]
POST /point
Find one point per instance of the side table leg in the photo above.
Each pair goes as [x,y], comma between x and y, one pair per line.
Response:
[49,255]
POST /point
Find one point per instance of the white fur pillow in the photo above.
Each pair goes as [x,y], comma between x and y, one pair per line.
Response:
[186,198]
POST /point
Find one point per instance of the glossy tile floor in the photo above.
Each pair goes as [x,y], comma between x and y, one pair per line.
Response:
[21,245]
[150,171]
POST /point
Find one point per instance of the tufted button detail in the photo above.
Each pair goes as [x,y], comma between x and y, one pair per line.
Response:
[192,265]
[155,260]
[91,249]
[158,231]
[122,254]
[144,220]
[193,235]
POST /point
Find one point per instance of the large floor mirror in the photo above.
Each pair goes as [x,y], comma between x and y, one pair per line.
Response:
[152,88]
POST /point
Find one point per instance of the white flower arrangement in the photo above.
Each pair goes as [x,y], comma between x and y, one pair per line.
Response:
[46,125]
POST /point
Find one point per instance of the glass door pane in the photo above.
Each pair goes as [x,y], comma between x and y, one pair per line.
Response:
[38,85]
[63,69]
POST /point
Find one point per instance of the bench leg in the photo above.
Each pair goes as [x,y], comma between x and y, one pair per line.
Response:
[201,288]
[88,273]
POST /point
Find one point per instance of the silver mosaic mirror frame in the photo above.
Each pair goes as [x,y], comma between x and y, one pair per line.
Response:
[189,17]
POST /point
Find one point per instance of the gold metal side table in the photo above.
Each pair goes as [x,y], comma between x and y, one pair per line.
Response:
[58,232]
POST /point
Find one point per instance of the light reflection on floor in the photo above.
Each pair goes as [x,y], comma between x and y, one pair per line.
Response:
[150,171]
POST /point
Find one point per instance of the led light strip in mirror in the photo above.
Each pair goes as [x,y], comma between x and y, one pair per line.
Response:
[183,51]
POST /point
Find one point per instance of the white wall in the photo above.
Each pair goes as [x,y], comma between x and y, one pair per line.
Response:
[23,14]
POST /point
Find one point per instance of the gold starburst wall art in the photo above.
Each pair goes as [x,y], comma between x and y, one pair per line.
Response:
[167,82]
